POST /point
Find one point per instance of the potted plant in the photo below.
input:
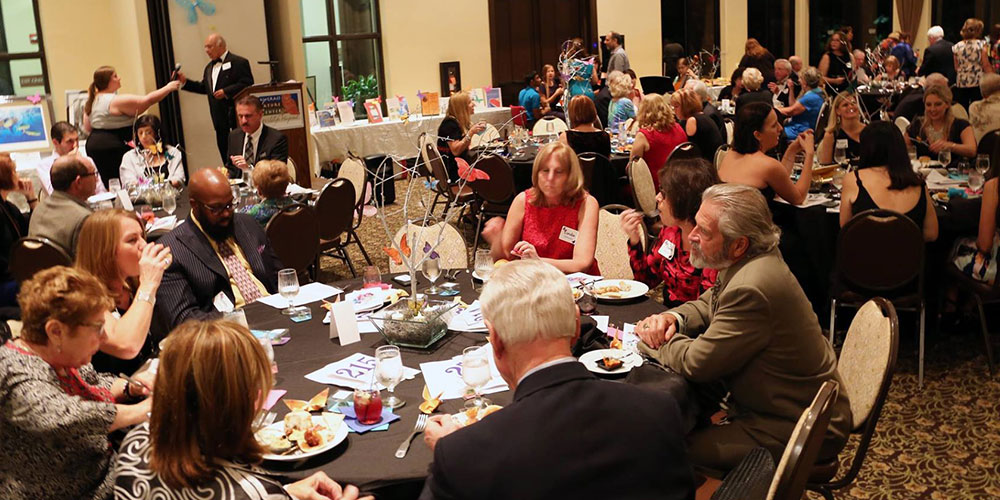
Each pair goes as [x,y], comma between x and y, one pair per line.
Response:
[357,91]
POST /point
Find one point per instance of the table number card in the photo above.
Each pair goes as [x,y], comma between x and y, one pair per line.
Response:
[343,323]
[354,371]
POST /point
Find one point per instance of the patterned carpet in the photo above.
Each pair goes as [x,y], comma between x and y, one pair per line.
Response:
[942,442]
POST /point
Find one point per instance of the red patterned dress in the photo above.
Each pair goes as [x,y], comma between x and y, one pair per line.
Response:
[542,226]
[681,281]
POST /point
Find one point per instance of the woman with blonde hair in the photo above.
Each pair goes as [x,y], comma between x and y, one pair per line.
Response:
[56,411]
[972,59]
[555,220]
[272,179]
[844,125]
[199,441]
[754,89]
[699,128]
[938,130]
[658,134]
[456,131]
[108,116]
[621,107]
[113,248]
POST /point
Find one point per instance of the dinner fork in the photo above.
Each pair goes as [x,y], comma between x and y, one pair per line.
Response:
[405,445]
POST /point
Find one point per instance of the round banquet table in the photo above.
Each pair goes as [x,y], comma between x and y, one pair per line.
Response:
[367,460]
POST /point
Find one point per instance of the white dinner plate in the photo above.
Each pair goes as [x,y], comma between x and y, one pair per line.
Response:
[367,299]
[633,289]
[338,437]
[631,360]
[476,276]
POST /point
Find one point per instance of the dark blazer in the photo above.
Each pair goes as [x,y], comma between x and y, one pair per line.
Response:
[713,112]
[938,58]
[232,80]
[763,95]
[196,274]
[272,145]
[567,434]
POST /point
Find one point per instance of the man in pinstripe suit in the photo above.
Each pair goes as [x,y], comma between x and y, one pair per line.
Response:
[219,257]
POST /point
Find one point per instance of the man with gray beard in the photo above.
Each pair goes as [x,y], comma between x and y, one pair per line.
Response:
[753,334]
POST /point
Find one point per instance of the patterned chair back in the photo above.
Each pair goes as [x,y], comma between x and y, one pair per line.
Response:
[420,240]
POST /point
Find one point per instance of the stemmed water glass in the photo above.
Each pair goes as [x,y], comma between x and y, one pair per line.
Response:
[432,271]
[389,372]
[169,202]
[288,287]
[944,157]
[840,154]
[982,164]
[476,374]
[484,265]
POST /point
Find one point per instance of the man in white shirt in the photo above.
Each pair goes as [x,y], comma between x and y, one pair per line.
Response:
[66,139]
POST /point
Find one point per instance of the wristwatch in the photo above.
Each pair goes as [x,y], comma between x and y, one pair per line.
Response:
[146,297]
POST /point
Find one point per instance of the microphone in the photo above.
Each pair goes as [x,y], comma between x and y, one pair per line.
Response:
[177,68]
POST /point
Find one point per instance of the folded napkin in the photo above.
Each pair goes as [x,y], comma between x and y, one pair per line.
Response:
[351,419]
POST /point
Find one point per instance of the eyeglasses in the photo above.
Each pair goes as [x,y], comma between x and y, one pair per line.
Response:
[228,207]
[97,325]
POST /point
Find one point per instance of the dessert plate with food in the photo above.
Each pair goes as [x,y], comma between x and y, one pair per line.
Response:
[474,414]
[301,435]
[618,290]
[610,361]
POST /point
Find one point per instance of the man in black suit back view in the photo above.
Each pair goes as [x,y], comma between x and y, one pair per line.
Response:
[567,434]
[938,57]
[253,141]
[224,77]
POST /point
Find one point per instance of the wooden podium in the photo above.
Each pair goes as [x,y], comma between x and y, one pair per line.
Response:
[285,110]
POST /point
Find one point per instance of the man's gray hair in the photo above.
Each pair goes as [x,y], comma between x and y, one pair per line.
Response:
[699,88]
[743,212]
[935,32]
[935,79]
[528,300]
[784,63]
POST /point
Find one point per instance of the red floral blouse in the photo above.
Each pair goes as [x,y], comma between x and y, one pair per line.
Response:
[682,281]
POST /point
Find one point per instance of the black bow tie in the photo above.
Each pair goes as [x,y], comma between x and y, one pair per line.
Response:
[216,61]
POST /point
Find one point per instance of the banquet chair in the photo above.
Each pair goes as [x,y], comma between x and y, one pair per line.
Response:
[549,125]
[353,169]
[290,165]
[489,135]
[655,85]
[422,240]
[684,150]
[643,189]
[444,192]
[792,472]
[902,124]
[867,363]
[982,293]
[423,170]
[729,126]
[822,118]
[895,271]
[599,178]
[335,208]
[989,144]
[34,253]
[494,194]
[958,111]
[631,126]
[720,154]
[612,253]
[293,234]
[519,116]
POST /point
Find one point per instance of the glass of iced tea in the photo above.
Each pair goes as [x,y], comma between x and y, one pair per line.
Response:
[368,406]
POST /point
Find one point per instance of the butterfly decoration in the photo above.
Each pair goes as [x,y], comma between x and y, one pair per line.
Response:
[420,95]
[192,7]
[470,173]
[431,185]
[430,251]
[394,254]
[35,99]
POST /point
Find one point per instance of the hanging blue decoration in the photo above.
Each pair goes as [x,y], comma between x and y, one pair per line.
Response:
[192,7]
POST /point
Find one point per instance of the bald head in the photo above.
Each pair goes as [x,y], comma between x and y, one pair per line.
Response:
[215,46]
[796,63]
[936,79]
[209,183]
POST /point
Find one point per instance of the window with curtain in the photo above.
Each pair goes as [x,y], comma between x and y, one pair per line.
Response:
[694,24]
[776,30]
[343,49]
[951,15]
[22,57]
[871,20]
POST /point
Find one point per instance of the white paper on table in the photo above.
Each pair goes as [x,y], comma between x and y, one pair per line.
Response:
[445,377]
[469,320]
[307,294]
[937,181]
[602,322]
[577,278]
[165,223]
[356,371]
[297,189]
[365,323]
[812,200]
[97,198]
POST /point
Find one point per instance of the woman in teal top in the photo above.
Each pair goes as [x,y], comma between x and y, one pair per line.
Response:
[578,70]
[271,178]
[805,111]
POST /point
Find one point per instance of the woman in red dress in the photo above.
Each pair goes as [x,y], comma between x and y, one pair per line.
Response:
[555,220]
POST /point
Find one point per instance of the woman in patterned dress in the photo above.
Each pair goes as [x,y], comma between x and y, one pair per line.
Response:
[681,185]
[199,442]
[56,412]
[972,59]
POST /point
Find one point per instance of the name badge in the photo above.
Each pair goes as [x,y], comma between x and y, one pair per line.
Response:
[842,143]
[222,303]
[568,235]
[667,250]
[226,66]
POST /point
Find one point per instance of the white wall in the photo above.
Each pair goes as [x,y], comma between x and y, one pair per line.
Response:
[640,23]
[241,23]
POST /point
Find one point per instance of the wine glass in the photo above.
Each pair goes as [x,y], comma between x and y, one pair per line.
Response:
[432,271]
[484,264]
[371,277]
[911,150]
[944,157]
[982,164]
[838,178]
[288,287]
[840,155]
[389,372]
[476,374]
[975,181]
[169,203]
[114,185]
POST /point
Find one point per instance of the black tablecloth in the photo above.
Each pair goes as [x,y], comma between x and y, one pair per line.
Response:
[367,460]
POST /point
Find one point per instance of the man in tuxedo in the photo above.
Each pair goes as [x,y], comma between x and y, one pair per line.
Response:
[938,57]
[253,141]
[567,434]
[225,76]
[753,334]
[221,259]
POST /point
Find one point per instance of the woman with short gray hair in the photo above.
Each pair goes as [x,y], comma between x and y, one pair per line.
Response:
[805,111]
[985,114]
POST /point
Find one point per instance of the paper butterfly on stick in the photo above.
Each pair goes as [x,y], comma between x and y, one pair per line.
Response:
[428,250]
[394,254]
[192,6]
[469,173]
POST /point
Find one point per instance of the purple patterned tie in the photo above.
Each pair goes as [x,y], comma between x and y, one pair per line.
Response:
[244,281]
